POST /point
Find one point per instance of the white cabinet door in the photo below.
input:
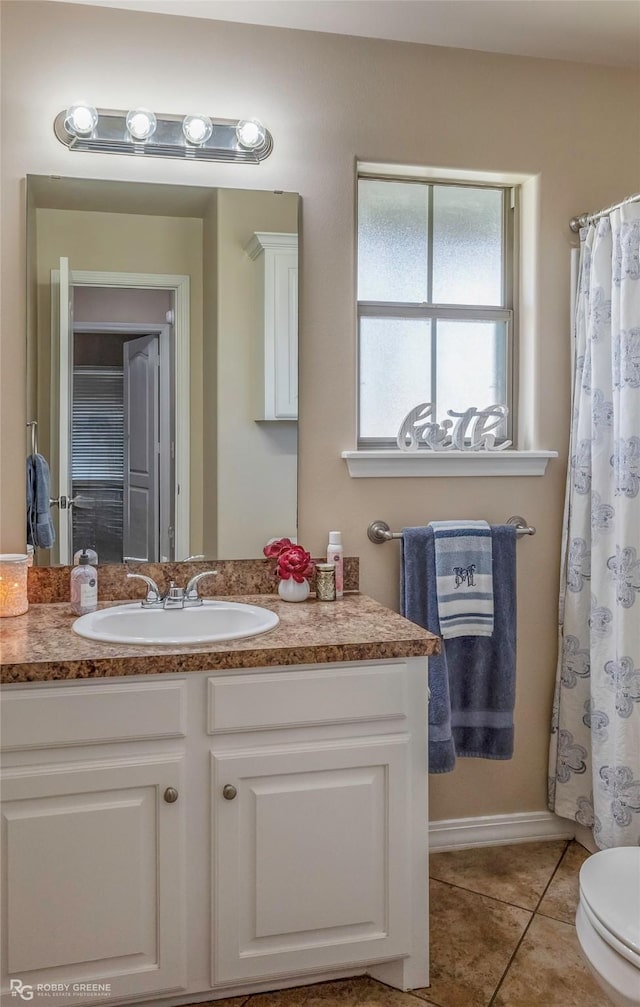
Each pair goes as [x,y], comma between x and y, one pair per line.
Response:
[93,886]
[276,392]
[285,310]
[310,858]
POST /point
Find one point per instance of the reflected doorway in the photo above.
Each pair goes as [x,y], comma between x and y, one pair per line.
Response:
[122,439]
[120,367]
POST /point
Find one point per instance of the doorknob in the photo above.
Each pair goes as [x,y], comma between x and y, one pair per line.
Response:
[64,502]
[229,791]
[83,502]
[171,795]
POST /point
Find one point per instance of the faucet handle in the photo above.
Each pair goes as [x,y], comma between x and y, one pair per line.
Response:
[153,591]
[191,590]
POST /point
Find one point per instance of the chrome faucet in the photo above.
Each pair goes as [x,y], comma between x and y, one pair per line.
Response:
[154,598]
[191,596]
[176,597]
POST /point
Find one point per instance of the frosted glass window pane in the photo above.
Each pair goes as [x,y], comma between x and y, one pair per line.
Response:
[471,366]
[467,245]
[395,372]
[392,241]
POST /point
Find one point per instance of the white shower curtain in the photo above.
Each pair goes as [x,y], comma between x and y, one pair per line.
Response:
[595,742]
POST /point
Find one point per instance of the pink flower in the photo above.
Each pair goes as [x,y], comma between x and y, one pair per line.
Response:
[295,562]
[274,547]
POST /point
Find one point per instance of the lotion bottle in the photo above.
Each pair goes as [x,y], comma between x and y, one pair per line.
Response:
[84,586]
[335,555]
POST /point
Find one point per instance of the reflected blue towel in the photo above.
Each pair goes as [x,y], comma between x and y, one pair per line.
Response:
[474,675]
[40,530]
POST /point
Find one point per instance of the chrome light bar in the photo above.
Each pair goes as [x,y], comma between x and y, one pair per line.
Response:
[245,141]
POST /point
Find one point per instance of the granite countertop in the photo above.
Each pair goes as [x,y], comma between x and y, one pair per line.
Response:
[40,646]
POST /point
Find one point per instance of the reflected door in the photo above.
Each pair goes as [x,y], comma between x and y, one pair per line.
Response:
[141,519]
[65,323]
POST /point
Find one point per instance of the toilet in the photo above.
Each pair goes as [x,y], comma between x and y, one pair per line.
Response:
[608,922]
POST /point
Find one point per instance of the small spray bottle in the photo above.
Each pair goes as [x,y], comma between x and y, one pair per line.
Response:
[335,555]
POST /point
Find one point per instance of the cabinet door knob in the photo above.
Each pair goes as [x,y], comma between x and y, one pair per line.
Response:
[171,795]
[229,791]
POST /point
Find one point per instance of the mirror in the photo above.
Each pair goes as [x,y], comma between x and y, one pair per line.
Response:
[162,366]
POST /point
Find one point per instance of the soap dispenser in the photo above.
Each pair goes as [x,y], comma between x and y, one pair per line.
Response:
[91,553]
[84,586]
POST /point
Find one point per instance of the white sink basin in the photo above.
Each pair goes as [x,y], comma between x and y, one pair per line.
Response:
[210,623]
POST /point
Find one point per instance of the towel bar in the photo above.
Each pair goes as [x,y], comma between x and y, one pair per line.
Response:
[379,531]
[33,424]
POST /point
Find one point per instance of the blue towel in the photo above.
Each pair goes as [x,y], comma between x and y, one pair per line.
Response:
[464,578]
[473,680]
[40,530]
[419,603]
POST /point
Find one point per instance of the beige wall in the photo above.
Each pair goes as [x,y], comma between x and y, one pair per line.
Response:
[257,462]
[124,243]
[104,304]
[329,100]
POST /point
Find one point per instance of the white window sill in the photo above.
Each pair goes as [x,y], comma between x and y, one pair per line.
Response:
[400,464]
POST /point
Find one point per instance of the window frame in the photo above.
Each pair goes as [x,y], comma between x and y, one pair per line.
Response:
[507,312]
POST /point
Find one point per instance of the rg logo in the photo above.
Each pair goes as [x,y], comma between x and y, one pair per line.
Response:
[20,989]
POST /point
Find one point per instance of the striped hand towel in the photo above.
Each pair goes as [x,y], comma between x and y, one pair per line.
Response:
[464,578]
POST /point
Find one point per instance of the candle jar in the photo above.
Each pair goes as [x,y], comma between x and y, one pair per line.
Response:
[325,581]
[13,584]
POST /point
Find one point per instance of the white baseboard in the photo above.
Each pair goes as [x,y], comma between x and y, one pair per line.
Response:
[498,830]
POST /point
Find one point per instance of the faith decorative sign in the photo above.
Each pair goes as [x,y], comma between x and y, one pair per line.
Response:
[471,431]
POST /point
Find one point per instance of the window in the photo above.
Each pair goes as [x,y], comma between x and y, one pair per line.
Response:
[98,461]
[98,405]
[435,301]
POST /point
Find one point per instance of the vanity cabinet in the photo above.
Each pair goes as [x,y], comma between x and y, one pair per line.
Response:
[93,818]
[312,857]
[93,868]
[296,849]
[276,384]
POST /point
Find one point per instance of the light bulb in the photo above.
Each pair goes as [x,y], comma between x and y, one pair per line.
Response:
[197,128]
[250,133]
[141,123]
[81,120]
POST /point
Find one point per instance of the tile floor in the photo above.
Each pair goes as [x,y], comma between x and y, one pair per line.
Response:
[502,935]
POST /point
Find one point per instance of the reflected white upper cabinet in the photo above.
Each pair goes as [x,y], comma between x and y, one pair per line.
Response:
[276,256]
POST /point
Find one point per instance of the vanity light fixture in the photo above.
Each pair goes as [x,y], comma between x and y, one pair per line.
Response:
[250,133]
[81,120]
[197,129]
[140,131]
[141,124]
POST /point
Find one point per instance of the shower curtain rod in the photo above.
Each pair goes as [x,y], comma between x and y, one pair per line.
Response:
[587,218]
